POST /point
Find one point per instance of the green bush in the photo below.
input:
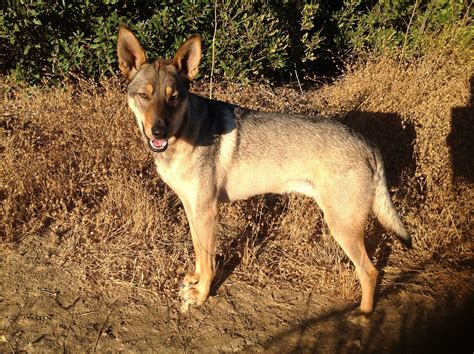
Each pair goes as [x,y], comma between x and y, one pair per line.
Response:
[46,40]
[408,28]
[51,39]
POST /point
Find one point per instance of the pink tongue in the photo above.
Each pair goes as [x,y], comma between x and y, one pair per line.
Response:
[158,143]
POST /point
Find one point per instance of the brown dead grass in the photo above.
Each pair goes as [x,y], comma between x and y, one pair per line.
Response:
[76,178]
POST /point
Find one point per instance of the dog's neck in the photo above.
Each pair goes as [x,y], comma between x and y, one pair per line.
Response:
[202,124]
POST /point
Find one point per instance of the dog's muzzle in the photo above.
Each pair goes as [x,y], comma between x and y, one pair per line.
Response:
[158,142]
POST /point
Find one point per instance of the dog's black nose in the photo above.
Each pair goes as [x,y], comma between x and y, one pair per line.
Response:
[159,132]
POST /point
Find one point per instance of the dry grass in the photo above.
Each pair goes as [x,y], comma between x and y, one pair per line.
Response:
[76,178]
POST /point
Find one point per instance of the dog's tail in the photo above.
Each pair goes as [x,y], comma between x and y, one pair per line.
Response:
[383,207]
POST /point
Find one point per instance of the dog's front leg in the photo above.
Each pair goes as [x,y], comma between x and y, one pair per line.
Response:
[202,219]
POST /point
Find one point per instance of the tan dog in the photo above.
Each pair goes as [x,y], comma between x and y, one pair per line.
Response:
[211,152]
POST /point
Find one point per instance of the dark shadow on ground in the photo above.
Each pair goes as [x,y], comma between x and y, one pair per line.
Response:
[461,140]
[230,258]
[396,326]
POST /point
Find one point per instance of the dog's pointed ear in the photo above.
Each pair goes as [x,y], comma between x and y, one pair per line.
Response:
[130,53]
[188,57]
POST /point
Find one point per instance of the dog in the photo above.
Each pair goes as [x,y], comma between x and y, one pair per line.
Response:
[212,152]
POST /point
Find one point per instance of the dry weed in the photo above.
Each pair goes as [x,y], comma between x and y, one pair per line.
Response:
[75,174]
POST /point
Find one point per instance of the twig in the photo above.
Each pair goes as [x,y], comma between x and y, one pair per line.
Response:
[69,328]
[408,29]
[49,292]
[103,325]
[40,338]
[67,307]
[268,91]
[6,341]
[454,224]
[213,47]
[299,83]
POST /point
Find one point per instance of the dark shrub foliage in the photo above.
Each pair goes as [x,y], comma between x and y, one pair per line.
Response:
[44,40]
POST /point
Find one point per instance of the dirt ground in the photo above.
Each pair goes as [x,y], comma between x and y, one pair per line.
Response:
[45,308]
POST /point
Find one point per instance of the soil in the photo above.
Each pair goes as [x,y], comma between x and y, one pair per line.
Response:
[45,307]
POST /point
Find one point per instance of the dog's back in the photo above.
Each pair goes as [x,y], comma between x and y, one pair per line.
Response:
[270,152]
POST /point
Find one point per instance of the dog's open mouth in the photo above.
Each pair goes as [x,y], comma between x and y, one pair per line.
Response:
[157,145]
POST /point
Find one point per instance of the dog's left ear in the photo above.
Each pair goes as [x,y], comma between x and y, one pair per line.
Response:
[188,57]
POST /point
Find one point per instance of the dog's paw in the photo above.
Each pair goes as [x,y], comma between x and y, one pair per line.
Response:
[193,292]
[359,318]
[190,279]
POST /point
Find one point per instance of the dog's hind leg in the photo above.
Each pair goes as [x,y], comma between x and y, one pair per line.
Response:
[346,215]
[196,285]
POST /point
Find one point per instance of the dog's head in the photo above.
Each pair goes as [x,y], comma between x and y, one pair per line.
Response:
[157,92]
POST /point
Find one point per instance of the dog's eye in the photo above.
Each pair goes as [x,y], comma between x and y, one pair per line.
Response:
[174,97]
[143,95]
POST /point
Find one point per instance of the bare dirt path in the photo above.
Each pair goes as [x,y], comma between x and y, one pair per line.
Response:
[44,308]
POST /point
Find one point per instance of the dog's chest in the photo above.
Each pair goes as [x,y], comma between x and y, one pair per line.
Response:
[175,173]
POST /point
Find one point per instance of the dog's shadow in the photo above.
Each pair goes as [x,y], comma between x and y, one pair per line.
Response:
[395,139]
[231,256]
